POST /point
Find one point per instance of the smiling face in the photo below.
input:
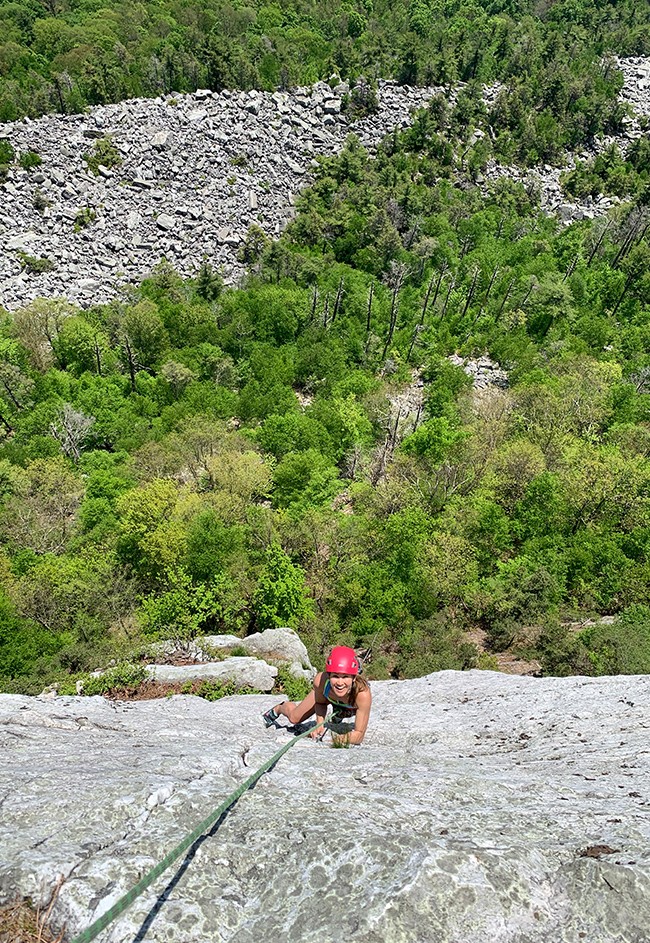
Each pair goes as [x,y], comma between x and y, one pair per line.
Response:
[341,685]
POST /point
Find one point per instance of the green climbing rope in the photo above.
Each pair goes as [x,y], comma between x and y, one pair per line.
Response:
[118,908]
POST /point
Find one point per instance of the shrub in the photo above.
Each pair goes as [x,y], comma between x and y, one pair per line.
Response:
[33,265]
[30,159]
[296,688]
[85,216]
[103,154]
[40,201]
[560,652]
[522,593]
[215,690]
[122,677]
[622,647]
[239,651]
[209,284]
[6,152]
[6,158]
[362,100]
[433,645]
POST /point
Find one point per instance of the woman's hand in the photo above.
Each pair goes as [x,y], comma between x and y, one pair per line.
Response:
[318,732]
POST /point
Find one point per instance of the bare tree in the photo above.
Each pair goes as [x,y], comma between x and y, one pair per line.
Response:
[396,277]
[70,430]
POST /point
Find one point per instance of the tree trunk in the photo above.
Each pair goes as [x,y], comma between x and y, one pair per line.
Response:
[337,302]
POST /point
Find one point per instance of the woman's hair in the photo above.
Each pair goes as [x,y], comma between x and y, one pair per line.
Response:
[359,684]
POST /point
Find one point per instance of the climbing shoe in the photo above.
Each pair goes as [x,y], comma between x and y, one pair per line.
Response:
[270,718]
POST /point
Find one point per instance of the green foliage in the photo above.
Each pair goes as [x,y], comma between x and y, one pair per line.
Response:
[315,411]
[281,597]
[22,643]
[619,646]
[30,159]
[304,478]
[7,155]
[611,173]
[432,440]
[340,743]
[622,647]
[214,690]
[239,651]
[34,265]
[523,593]
[362,100]
[295,688]
[103,154]
[559,83]
[432,646]
[122,677]
[40,202]
[209,284]
[84,218]
[187,609]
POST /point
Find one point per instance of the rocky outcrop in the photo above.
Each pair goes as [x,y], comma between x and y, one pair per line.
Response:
[258,668]
[544,181]
[480,807]
[483,371]
[241,671]
[196,172]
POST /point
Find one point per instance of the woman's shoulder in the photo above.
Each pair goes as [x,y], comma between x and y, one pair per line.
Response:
[364,696]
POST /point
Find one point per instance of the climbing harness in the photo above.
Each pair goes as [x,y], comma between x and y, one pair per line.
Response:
[118,908]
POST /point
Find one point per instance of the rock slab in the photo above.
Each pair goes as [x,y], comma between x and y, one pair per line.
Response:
[481,807]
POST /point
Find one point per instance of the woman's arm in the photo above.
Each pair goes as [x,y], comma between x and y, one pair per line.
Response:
[364,703]
[320,707]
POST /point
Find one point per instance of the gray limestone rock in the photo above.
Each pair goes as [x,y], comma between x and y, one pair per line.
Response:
[244,672]
[277,646]
[161,139]
[481,807]
[165,221]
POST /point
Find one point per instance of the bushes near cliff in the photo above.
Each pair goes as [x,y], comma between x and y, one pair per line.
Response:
[620,646]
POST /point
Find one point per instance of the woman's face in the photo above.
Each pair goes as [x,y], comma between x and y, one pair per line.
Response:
[341,684]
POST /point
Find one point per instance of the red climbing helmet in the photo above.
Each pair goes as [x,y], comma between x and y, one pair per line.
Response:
[342,660]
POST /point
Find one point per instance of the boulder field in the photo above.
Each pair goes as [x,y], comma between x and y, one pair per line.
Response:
[196,171]
[481,807]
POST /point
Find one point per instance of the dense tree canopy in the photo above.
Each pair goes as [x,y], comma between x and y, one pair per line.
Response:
[301,450]
[552,58]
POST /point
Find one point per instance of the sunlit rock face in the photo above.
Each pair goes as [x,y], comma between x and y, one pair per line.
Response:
[481,807]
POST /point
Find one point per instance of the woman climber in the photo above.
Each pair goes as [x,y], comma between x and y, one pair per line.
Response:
[340,685]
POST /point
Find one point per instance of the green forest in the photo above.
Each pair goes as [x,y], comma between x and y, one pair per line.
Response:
[553,58]
[300,450]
